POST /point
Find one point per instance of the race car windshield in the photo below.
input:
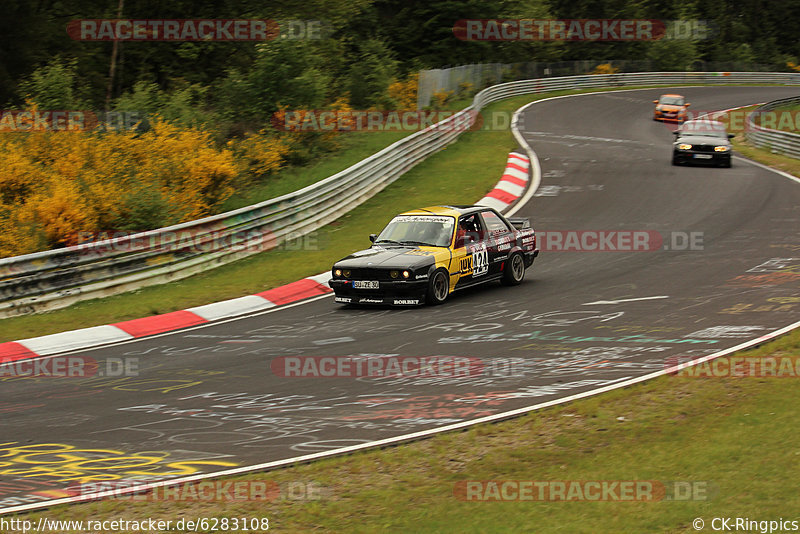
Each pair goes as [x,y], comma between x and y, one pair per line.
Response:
[671,101]
[424,230]
[704,128]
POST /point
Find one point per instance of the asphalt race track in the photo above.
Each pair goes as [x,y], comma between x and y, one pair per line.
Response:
[724,268]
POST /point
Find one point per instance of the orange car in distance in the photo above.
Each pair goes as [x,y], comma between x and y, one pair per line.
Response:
[670,108]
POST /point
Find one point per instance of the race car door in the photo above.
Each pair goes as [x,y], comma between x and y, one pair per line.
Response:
[498,240]
[470,253]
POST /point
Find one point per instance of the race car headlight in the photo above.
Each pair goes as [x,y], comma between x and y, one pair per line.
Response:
[394,274]
[337,272]
[684,146]
[406,274]
[721,148]
[346,273]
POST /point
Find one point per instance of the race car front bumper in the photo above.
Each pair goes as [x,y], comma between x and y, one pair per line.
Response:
[389,292]
[669,116]
[684,157]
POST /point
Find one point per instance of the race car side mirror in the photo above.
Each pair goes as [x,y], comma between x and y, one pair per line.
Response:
[731,136]
[687,104]
[655,101]
[373,237]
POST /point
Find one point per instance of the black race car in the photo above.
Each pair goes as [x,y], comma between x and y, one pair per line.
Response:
[702,141]
[424,255]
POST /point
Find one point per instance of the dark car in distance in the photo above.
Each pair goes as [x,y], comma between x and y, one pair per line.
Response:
[702,141]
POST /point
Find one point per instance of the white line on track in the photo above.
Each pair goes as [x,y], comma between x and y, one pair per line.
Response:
[624,300]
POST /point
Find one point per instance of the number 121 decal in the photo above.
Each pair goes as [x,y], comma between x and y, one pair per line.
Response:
[480,261]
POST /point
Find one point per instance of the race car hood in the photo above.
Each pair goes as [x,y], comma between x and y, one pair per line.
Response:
[393,257]
[702,140]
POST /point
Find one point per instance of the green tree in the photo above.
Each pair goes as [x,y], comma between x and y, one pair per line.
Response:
[54,85]
[285,73]
[183,104]
[671,55]
[370,75]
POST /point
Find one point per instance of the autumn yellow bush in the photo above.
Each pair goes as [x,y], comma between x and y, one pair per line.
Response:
[466,89]
[441,98]
[605,68]
[404,92]
[58,185]
[261,153]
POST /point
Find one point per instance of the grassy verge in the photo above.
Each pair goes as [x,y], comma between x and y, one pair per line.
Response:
[461,173]
[762,155]
[735,440]
[353,148]
[782,118]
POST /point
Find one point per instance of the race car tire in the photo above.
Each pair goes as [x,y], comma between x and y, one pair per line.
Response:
[514,270]
[438,288]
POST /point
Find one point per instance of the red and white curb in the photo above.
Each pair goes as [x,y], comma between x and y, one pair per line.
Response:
[157,324]
[511,186]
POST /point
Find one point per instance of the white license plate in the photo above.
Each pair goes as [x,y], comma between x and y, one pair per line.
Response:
[702,156]
[365,284]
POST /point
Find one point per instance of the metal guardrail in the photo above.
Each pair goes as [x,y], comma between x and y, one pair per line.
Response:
[774,140]
[485,74]
[56,278]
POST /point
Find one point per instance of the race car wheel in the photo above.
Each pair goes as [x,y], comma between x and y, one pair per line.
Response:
[438,287]
[514,271]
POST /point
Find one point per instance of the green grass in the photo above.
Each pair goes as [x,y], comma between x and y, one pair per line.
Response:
[785,118]
[353,147]
[737,439]
[461,173]
[762,155]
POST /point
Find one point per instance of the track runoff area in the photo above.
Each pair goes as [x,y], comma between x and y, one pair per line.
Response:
[719,270]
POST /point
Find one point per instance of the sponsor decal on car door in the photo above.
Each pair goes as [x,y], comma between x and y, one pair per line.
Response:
[498,240]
